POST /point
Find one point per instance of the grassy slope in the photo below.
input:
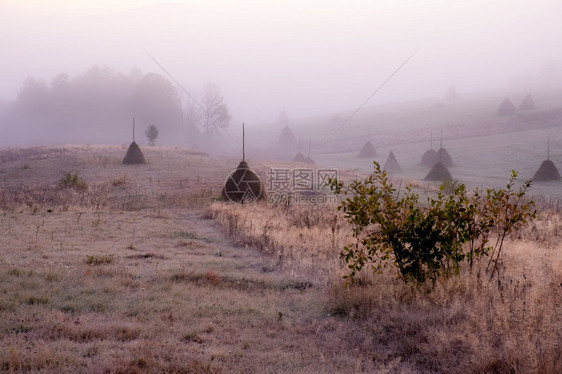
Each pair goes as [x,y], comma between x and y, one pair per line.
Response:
[484,147]
[129,276]
[168,291]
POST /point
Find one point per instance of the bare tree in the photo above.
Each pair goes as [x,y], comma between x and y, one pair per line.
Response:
[215,112]
[205,115]
[192,114]
[192,119]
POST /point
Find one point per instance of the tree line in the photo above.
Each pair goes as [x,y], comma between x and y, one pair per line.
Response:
[98,107]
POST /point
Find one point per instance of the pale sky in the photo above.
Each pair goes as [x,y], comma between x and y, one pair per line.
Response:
[306,57]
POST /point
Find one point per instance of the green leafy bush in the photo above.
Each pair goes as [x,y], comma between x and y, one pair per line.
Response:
[428,241]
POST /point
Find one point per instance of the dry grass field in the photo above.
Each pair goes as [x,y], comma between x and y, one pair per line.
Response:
[141,269]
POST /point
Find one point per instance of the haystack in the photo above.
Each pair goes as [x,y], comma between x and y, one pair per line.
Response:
[438,173]
[451,94]
[299,157]
[427,158]
[287,138]
[391,165]
[134,155]
[443,157]
[547,172]
[309,160]
[367,151]
[243,186]
[506,108]
[528,103]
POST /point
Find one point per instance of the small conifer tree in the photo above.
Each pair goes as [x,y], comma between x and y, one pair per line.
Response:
[152,133]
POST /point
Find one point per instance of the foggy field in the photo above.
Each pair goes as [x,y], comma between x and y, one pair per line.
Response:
[479,160]
[145,270]
[122,123]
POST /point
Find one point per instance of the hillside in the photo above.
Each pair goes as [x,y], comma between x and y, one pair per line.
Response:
[135,269]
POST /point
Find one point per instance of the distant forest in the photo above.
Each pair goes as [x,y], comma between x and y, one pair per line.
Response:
[96,107]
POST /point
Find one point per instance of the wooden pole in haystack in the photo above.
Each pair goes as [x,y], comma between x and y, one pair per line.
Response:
[430,140]
[441,146]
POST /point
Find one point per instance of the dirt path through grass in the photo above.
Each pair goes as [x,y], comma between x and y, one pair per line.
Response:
[125,291]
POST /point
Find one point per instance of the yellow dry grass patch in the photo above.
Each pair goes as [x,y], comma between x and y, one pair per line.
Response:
[467,324]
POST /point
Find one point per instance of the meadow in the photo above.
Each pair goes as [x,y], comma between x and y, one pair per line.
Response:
[143,269]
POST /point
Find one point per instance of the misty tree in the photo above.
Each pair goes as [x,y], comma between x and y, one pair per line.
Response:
[156,99]
[205,114]
[192,116]
[215,112]
[33,99]
[152,133]
[70,108]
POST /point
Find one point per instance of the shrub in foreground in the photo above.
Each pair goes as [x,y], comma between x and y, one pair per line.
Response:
[427,241]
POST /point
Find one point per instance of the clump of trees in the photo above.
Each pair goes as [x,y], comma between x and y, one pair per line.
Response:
[431,240]
[92,107]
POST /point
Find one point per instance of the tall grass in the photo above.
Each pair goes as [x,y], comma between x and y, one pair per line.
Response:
[299,238]
[467,324]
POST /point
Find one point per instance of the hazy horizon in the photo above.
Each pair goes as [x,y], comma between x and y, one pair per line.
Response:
[306,59]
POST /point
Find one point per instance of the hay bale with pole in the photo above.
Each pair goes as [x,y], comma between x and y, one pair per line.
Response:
[528,103]
[427,158]
[506,108]
[367,151]
[287,138]
[299,157]
[391,165]
[442,156]
[547,171]
[134,155]
[308,159]
[438,173]
[243,186]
